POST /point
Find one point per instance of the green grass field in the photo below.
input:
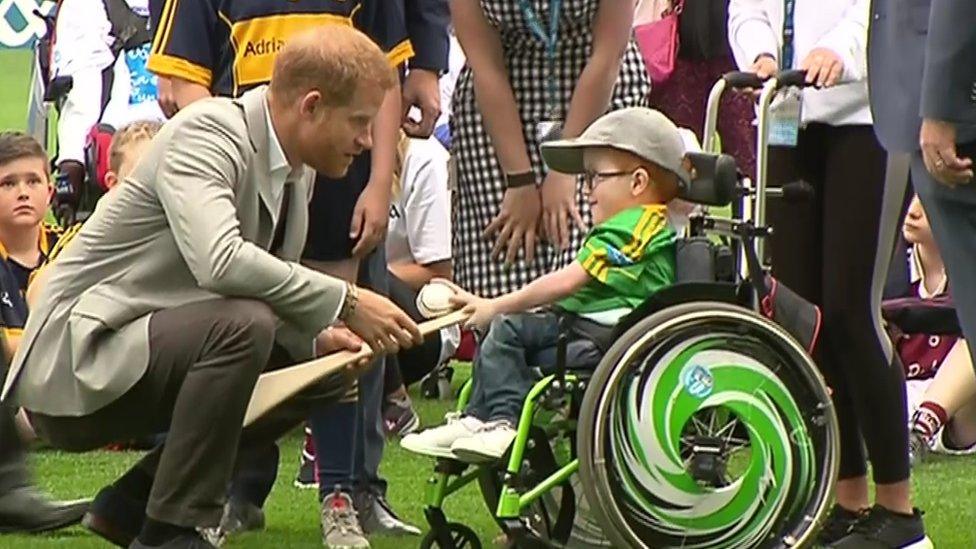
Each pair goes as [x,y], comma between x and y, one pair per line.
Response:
[944,487]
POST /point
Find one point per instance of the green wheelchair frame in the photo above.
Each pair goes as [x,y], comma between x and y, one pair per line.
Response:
[561,390]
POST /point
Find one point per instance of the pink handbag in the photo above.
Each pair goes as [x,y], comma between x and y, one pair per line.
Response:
[658,41]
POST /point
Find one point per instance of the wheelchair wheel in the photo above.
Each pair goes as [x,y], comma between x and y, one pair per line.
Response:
[461,536]
[707,426]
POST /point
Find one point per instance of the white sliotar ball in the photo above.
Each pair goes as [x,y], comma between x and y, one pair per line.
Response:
[434,299]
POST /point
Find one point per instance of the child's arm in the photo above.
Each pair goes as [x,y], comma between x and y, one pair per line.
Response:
[541,291]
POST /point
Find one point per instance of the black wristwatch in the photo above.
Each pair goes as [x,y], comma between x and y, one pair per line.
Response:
[516,180]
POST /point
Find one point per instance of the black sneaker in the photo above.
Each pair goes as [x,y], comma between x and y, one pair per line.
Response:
[399,418]
[307,477]
[884,529]
[839,523]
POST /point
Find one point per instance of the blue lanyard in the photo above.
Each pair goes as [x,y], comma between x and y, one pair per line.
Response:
[786,55]
[550,39]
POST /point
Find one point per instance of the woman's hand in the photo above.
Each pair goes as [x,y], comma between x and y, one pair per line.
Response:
[764,66]
[823,67]
[559,207]
[515,225]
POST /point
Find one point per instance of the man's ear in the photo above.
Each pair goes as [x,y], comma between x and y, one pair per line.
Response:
[311,104]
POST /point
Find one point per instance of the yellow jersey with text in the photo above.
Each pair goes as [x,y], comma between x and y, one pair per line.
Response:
[229,46]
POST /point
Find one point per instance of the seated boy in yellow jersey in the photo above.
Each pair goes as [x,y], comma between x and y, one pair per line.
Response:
[25,242]
[632,160]
[224,47]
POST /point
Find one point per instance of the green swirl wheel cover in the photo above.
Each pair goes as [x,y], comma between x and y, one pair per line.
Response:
[654,398]
[650,415]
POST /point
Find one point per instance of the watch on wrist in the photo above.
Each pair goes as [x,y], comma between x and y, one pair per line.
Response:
[516,180]
[349,304]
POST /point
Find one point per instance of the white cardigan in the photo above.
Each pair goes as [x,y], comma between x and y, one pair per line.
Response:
[756,27]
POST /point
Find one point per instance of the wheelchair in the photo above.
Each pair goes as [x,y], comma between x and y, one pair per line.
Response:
[704,424]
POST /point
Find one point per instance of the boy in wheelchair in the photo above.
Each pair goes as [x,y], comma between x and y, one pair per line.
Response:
[633,164]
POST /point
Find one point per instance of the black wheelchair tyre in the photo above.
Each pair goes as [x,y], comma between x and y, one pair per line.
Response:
[462,537]
[680,400]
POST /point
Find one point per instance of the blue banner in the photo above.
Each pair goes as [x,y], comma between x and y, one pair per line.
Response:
[19,26]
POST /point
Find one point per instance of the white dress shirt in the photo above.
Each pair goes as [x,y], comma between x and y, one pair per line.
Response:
[278,164]
[756,27]
[82,50]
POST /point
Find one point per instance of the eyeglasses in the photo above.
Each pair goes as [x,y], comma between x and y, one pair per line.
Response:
[593,179]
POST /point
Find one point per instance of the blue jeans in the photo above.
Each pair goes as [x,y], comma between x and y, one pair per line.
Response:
[503,368]
[349,440]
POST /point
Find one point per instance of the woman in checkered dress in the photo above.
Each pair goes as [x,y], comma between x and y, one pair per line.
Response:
[499,102]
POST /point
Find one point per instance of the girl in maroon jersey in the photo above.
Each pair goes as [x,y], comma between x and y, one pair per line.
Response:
[941,384]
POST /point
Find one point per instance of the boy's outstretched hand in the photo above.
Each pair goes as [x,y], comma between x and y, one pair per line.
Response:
[480,310]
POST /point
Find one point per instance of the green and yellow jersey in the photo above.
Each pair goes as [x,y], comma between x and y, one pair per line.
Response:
[628,257]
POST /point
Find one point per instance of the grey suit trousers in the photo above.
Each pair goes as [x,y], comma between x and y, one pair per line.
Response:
[204,360]
[952,214]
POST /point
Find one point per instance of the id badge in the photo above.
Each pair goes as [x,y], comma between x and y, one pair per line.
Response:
[452,173]
[548,130]
[784,118]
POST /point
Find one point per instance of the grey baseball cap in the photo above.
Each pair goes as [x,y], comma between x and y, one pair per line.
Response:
[644,132]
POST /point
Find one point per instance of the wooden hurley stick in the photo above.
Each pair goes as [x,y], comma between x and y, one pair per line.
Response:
[277,386]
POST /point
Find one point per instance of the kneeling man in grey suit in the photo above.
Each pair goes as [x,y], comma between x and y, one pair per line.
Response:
[184,286]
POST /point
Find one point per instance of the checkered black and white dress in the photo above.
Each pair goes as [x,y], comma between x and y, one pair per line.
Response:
[480,184]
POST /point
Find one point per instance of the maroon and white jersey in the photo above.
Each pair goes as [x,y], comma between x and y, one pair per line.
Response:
[922,354]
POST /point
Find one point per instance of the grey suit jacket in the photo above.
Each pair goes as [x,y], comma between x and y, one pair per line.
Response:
[921,63]
[193,222]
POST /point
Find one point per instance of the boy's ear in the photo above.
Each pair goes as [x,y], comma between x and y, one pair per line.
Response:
[640,182]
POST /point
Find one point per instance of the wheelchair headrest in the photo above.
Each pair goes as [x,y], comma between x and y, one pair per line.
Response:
[714,181]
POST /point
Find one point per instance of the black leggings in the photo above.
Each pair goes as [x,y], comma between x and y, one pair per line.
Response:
[409,365]
[828,249]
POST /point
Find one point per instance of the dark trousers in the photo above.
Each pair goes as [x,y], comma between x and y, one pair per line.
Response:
[834,251]
[204,361]
[13,462]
